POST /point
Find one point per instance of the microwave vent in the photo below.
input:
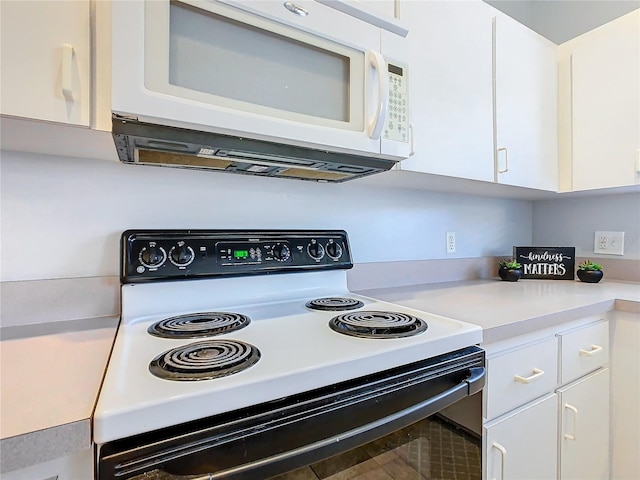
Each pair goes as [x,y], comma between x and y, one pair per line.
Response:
[159,145]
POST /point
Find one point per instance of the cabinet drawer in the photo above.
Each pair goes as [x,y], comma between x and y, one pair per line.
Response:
[583,351]
[520,376]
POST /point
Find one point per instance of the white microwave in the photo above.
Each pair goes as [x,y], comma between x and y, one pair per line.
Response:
[301,75]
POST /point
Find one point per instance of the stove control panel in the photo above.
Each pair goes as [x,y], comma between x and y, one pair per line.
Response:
[155,255]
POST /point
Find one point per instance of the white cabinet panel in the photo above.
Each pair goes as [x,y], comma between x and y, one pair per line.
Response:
[526,106]
[382,7]
[77,466]
[523,444]
[584,428]
[520,376]
[450,88]
[606,105]
[625,395]
[583,351]
[45,60]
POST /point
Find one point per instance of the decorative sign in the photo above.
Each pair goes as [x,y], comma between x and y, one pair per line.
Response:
[552,263]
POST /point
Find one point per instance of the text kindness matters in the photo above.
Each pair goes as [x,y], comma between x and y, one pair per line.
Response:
[546,262]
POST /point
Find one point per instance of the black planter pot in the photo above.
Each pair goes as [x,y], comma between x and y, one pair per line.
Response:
[510,274]
[590,276]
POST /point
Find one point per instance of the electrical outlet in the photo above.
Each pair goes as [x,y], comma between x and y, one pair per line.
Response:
[451,242]
[609,243]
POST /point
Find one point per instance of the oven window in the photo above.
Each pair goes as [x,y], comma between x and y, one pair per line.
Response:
[429,449]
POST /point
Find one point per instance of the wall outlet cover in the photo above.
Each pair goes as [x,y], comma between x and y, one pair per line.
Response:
[451,242]
[608,243]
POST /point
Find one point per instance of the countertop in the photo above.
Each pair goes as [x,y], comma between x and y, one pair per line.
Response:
[47,407]
[51,375]
[508,309]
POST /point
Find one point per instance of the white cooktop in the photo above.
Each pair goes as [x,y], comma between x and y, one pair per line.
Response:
[299,351]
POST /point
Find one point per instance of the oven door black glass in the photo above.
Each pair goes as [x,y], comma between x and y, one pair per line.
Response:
[299,432]
[429,449]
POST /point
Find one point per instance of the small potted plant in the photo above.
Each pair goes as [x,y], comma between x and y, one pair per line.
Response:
[510,270]
[589,272]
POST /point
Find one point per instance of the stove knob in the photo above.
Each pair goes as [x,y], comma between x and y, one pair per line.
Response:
[152,257]
[181,255]
[315,250]
[334,250]
[281,252]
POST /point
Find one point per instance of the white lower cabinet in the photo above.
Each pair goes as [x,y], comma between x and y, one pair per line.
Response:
[77,466]
[584,428]
[546,404]
[522,444]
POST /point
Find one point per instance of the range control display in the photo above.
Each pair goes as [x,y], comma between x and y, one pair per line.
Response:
[149,255]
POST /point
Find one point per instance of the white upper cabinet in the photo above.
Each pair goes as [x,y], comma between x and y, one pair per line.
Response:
[526,90]
[605,94]
[386,8]
[45,60]
[450,88]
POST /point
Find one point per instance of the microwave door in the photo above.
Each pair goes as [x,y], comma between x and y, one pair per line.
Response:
[254,70]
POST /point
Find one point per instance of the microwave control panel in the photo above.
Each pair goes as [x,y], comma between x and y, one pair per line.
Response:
[397,124]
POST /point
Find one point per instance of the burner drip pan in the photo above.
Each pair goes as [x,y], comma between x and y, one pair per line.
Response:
[199,325]
[334,304]
[373,324]
[204,360]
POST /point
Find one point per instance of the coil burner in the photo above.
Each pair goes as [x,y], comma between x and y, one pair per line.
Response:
[373,324]
[199,325]
[204,360]
[334,304]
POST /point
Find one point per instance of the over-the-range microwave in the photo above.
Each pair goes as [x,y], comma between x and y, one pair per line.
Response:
[266,87]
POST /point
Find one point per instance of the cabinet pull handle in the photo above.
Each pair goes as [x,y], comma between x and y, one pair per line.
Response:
[67,71]
[374,127]
[506,159]
[503,456]
[537,373]
[575,420]
[594,349]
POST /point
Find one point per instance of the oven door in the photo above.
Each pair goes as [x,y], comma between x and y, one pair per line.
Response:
[297,432]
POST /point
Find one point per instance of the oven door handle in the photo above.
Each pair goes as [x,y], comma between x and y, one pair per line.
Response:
[358,436]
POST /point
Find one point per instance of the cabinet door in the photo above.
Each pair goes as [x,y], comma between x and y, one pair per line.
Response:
[526,86]
[78,465]
[523,444]
[450,82]
[606,105]
[382,7]
[45,60]
[584,428]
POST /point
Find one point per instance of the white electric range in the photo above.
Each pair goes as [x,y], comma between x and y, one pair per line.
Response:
[232,330]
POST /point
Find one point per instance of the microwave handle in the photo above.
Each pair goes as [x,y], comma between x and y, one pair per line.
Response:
[375,125]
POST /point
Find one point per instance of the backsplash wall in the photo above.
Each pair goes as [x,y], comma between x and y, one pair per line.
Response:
[62,217]
[573,221]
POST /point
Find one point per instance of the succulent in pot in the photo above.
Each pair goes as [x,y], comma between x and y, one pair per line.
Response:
[510,270]
[590,272]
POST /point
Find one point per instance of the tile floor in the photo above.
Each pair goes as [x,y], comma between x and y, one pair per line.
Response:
[430,449]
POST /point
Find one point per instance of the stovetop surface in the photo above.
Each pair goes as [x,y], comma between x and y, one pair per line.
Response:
[298,349]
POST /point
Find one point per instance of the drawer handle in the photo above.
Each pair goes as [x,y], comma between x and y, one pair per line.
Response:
[575,420]
[503,456]
[537,373]
[594,349]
